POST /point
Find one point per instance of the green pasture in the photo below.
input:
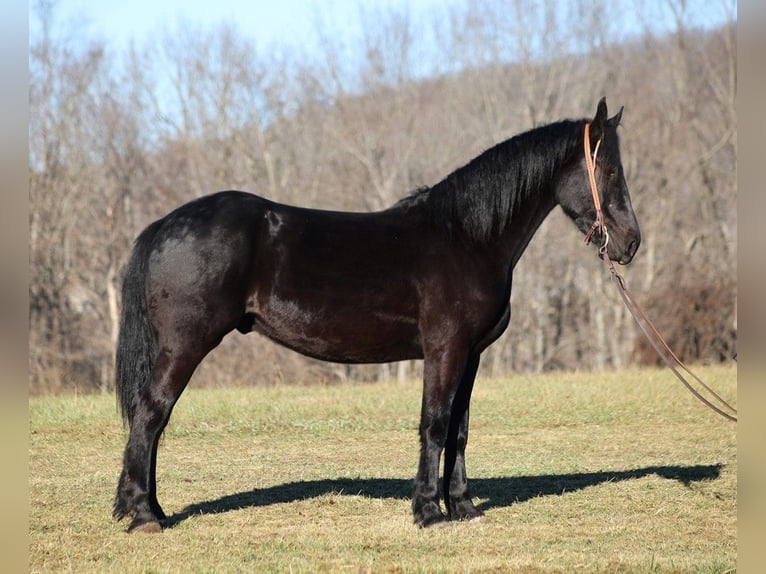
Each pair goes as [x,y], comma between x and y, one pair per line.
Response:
[577,472]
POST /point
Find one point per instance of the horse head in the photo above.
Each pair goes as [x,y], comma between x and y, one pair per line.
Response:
[574,194]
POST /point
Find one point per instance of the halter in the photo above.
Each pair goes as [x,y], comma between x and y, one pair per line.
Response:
[590,163]
[647,328]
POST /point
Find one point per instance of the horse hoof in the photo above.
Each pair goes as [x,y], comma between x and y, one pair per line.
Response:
[151,527]
[434,521]
[438,524]
[480,519]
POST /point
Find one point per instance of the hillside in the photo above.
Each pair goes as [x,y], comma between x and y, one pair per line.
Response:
[117,140]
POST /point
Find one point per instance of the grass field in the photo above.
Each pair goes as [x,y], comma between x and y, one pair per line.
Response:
[616,472]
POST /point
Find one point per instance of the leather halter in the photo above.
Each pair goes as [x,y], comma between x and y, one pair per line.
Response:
[590,163]
[647,328]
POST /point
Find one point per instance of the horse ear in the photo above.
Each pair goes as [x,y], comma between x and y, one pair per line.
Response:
[598,125]
[615,120]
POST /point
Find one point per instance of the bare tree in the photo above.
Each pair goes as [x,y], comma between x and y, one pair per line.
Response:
[117,140]
[62,95]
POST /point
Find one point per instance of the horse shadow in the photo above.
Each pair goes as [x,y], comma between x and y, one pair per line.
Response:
[496,492]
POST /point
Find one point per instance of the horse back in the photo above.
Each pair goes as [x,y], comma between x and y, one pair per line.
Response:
[338,286]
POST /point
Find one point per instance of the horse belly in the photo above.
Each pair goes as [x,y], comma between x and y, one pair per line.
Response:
[341,334]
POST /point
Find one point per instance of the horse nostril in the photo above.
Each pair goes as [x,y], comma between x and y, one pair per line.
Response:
[633,247]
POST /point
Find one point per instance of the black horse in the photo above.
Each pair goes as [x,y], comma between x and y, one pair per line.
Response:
[428,278]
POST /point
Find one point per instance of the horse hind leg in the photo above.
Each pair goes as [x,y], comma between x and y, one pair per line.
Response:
[137,490]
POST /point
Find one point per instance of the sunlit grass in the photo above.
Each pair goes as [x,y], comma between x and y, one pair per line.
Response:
[577,472]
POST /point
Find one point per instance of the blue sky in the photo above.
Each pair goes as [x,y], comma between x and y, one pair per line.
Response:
[287,22]
[269,22]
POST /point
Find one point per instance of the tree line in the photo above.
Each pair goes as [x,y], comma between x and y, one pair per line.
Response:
[117,139]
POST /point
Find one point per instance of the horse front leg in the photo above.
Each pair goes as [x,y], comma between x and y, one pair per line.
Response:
[455,481]
[442,376]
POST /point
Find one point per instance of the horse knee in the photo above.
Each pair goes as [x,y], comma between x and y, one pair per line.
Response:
[434,429]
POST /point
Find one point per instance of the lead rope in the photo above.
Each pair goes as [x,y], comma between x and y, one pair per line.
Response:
[647,328]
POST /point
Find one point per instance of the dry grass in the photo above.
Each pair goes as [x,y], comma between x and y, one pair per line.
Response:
[620,472]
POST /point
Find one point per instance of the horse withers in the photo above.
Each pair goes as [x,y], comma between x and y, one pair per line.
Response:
[428,278]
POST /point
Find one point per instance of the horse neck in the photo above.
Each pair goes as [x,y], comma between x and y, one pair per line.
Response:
[524,224]
[532,163]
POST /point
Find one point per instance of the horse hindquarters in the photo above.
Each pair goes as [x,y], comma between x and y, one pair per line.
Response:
[186,293]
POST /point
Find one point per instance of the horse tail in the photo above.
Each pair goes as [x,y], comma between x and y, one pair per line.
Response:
[137,340]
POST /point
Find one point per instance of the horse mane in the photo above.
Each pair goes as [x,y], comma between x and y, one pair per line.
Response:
[481,197]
